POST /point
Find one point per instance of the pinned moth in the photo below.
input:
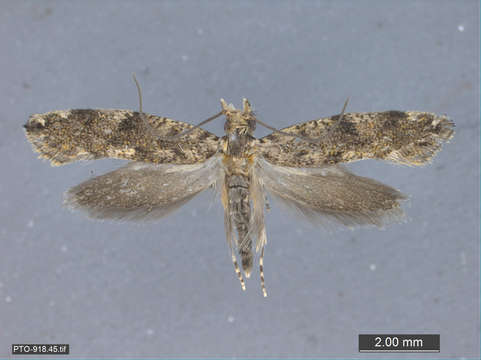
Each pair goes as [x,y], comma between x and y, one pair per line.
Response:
[172,161]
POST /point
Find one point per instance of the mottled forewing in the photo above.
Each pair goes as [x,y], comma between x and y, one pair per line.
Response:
[410,138]
[331,194]
[142,191]
[66,136]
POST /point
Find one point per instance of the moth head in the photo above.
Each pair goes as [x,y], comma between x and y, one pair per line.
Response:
[238,122]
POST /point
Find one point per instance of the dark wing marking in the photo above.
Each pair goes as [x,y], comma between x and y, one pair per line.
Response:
[410,138]
[332,193]
[142,191]
[67,136]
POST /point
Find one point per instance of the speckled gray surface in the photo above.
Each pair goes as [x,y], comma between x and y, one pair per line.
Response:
[168,289]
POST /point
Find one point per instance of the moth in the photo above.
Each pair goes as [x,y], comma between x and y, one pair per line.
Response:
[172,161]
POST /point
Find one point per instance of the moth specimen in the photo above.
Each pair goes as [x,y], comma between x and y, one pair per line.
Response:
[173,161]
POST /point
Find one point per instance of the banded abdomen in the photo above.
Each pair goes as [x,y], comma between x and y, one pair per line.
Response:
[239,208]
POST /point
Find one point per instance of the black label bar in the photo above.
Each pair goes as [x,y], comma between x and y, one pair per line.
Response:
[399,343]
[40,349]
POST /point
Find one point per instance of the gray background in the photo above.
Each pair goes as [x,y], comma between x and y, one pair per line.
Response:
[168,288]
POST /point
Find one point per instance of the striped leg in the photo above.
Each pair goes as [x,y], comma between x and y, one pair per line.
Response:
[261,270]
[238,272]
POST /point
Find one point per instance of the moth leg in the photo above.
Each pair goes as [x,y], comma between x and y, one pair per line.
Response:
[300,137]
[169,138]
[187,131]
[145,122]
[326,138]
[261,271]
[238,272]
[266,202]
[343,109]
[139,91]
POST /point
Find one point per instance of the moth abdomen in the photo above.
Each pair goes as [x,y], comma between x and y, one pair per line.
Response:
[240,211]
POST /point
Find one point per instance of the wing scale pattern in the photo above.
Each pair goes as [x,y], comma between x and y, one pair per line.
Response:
[72,135]
[409,138]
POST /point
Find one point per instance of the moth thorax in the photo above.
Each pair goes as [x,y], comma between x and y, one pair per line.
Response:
[238,144]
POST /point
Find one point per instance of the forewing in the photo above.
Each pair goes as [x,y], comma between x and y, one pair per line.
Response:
[410,138]
[332,194]
[66,136]
[141,191]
